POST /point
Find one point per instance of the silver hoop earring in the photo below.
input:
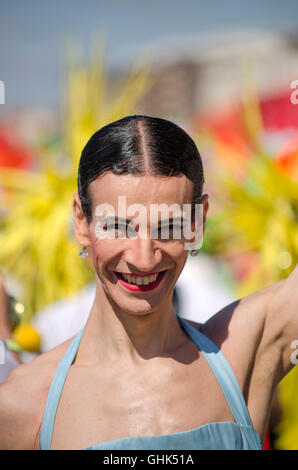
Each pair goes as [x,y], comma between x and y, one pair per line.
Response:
[83,253]
[194,252]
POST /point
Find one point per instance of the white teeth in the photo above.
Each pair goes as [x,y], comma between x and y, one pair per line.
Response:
[144,280]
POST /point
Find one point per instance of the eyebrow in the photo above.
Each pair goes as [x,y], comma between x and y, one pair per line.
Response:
[127,221]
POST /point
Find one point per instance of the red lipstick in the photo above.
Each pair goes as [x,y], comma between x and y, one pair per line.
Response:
[135,287]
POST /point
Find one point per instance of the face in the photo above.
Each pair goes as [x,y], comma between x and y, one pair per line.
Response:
[138,273]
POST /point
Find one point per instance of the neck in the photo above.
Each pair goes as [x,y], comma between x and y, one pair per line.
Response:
[113,333]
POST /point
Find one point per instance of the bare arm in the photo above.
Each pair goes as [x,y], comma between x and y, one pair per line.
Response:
[281,324]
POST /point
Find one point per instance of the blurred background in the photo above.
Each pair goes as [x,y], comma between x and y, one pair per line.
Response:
[225,72]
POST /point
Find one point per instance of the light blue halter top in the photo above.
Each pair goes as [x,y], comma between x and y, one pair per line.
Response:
[217,435]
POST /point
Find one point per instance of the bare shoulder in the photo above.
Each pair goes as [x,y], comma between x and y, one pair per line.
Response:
[238,330]
[22,399]
[242,319]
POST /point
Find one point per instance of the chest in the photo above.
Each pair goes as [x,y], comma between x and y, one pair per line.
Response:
[99,404]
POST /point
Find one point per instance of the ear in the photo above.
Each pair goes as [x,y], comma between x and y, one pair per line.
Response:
[81,226]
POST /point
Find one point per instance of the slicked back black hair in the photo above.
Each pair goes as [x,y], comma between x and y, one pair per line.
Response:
[139,145]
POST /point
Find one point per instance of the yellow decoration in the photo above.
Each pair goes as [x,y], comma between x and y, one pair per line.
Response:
[27,337]
[287,430]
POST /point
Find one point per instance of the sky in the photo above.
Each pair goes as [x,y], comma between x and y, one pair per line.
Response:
[33,34]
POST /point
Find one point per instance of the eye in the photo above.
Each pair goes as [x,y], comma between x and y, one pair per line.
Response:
[162,231]
[119,227]
[132,231]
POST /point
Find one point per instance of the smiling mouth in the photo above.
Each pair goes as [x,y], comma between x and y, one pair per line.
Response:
[140,282]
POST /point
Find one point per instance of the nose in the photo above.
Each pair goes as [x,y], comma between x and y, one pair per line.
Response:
[143,256]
